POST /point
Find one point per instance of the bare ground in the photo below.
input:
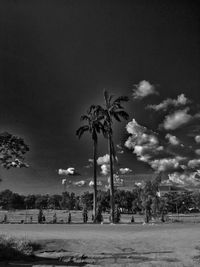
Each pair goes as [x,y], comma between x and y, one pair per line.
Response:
[111,245]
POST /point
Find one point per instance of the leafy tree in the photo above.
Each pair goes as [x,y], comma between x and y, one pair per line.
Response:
[94,127]
[29,201]
[6,199]
[54,201]
[113,109]
[86,200]
[41,201]
[150,198]
[12,151]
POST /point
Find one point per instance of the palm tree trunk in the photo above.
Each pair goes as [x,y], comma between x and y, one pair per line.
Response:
[112,200]
[95,180]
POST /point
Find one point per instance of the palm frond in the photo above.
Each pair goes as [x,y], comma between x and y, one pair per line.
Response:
[106,97]
[84,118]
[121,99]
[123,114]
[81,130]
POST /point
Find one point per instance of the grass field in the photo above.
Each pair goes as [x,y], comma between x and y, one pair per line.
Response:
[175,244]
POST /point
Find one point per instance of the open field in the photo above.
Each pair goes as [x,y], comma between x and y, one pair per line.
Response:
[112,245]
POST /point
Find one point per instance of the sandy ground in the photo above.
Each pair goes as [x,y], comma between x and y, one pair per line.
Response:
[116,245]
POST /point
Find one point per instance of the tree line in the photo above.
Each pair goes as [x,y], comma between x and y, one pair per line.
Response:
[132,202]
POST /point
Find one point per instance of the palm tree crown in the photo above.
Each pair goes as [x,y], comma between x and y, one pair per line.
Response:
[94,125]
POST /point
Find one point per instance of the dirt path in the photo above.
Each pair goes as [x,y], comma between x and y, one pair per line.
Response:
[116,245]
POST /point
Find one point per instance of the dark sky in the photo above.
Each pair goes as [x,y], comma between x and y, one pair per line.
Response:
[57,56]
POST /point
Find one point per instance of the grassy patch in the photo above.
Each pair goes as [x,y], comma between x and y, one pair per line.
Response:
[12,248]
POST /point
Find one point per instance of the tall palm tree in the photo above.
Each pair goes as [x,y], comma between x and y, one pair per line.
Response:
[113,110]
[94,126]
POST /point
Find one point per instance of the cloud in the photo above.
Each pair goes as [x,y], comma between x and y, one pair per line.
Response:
[105,169]
[103,160]
[80,183]
[64,181]
[173,140]
[176,119]
[125,170]
[91,183]
[194,163]
[143,89]
[166,164]
[143,142]
[69,171]
[197,138]
[180,101]
[186,178]
[197,151]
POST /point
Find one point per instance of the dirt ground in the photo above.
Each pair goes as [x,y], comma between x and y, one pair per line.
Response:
[112,245]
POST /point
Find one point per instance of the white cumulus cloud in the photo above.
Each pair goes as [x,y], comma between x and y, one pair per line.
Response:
[197,138]
[186,178]
[80,183]
[91,183]
[173,140]
[143,89]
[197,151]
[166,164]
[105,169]
[69,171]
[180,101]
[176,119]
[103,160]
[194,163]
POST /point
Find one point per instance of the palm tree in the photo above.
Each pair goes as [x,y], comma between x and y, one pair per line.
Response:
[112,109]
[94,126]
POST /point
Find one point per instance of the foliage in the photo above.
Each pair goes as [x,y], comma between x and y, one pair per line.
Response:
[137,200]
[11,248]
[113,109]
[12,151]
[94,126]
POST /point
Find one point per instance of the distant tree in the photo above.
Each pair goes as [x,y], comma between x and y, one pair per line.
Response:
[87,200]
[149,197]
[41,201]
[6,199]
[29,201]
[104,200]
[94,126]
[113,109]
[12,151]
[54,201]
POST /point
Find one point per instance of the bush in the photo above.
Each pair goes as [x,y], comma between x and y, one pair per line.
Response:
[11,248]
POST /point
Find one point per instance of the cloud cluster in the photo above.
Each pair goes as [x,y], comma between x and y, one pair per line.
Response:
[180,101]
[186,178]
[143,89]
[163,151]
[143,142]
[167,164]
[69,171]
[91,183]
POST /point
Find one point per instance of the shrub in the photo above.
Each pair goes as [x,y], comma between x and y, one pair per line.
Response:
[11,248]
